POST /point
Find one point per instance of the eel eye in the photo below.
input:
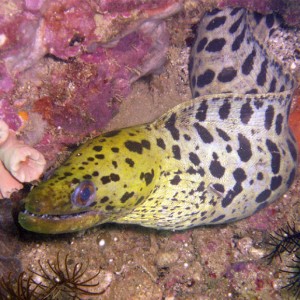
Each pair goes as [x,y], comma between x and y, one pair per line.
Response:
[84,194]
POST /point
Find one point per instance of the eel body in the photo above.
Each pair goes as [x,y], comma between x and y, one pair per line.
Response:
[218,158]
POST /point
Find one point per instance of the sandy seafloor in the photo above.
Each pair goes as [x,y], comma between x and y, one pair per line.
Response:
[217,262]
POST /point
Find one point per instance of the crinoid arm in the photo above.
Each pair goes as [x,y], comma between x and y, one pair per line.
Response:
[66,282]
[21,289]
[286,239]
[294,277]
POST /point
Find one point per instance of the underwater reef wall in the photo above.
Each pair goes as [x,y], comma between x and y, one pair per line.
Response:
[66,65]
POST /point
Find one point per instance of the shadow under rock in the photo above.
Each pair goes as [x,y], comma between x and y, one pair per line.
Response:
[9,241]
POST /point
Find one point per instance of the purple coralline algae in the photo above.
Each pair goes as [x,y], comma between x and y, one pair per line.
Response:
[72,62]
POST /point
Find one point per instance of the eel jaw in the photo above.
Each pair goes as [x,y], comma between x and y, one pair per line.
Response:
[59,224]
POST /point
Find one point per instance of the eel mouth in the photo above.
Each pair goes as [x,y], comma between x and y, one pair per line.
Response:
[56,224]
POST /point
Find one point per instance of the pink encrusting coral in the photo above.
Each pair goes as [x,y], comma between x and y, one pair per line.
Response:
[105,74]
[9,115]
[72,62]
[18,162]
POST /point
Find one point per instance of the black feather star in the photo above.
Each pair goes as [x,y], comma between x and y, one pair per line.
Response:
[288,240]
[284,240]
[55,280]
[294,278]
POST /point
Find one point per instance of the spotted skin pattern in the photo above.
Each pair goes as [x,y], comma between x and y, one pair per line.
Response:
[215,159]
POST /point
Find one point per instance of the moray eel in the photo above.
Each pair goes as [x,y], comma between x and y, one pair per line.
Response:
[218,158]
